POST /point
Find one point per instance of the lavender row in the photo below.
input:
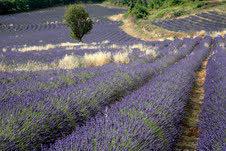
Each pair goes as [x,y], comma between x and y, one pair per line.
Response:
[12,85]
[148,119]
[107,78]
[8,78]
[55,80]
[17,95]
[48,82]
[16,57]
[45,19]
[37,121]
[213,114]
[210,22]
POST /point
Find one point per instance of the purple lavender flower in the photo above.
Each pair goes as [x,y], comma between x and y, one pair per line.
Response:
[147,119]
[43,117]
[213,114]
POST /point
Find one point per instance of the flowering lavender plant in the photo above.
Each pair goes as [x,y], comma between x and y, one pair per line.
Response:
[213,115]
[147,119]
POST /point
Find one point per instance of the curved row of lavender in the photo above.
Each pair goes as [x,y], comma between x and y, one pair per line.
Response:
[78,76]
[102,30]
[41,118]
[10,79]
[148,119]
[54,79]
[213,114]
[208,21]
[45,26]
[10,57]
[48,18]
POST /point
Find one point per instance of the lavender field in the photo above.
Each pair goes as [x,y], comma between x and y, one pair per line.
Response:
[207,21]
[111,92]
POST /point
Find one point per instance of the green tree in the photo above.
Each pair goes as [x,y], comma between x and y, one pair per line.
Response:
[78,20]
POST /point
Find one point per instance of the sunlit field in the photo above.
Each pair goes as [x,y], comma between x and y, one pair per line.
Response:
[111,91]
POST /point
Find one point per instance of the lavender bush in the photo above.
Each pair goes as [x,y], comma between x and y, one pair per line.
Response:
[213,115]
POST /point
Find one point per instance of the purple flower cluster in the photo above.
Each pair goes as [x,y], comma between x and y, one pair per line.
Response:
[147,119]
[213,114]
[40,118]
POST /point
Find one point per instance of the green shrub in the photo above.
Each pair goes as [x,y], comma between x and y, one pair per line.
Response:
[201,4]
[78,20]
[175,2]
[139,9]
[178,13]
[6,6]
[156,3]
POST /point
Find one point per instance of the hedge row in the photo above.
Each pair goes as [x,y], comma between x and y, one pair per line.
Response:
[141,8]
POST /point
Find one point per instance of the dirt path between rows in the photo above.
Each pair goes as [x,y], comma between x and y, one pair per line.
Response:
[190,131]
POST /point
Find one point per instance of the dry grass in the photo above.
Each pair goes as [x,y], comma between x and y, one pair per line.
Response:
[69,62]
[67,46]
[217,33]
[152,53]
[117,17]
[121,57]
[139,46]
[72,61]
[29,66]
[37,48]
[3,67]
[90,47]
[115,46]
[128,26]
[201,33]
[97,59]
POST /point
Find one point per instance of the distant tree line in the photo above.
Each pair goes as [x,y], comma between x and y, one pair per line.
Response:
[137,8]
[12,6]
[141,8]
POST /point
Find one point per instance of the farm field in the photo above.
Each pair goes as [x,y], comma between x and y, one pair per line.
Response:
[207,21]
[112,91]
